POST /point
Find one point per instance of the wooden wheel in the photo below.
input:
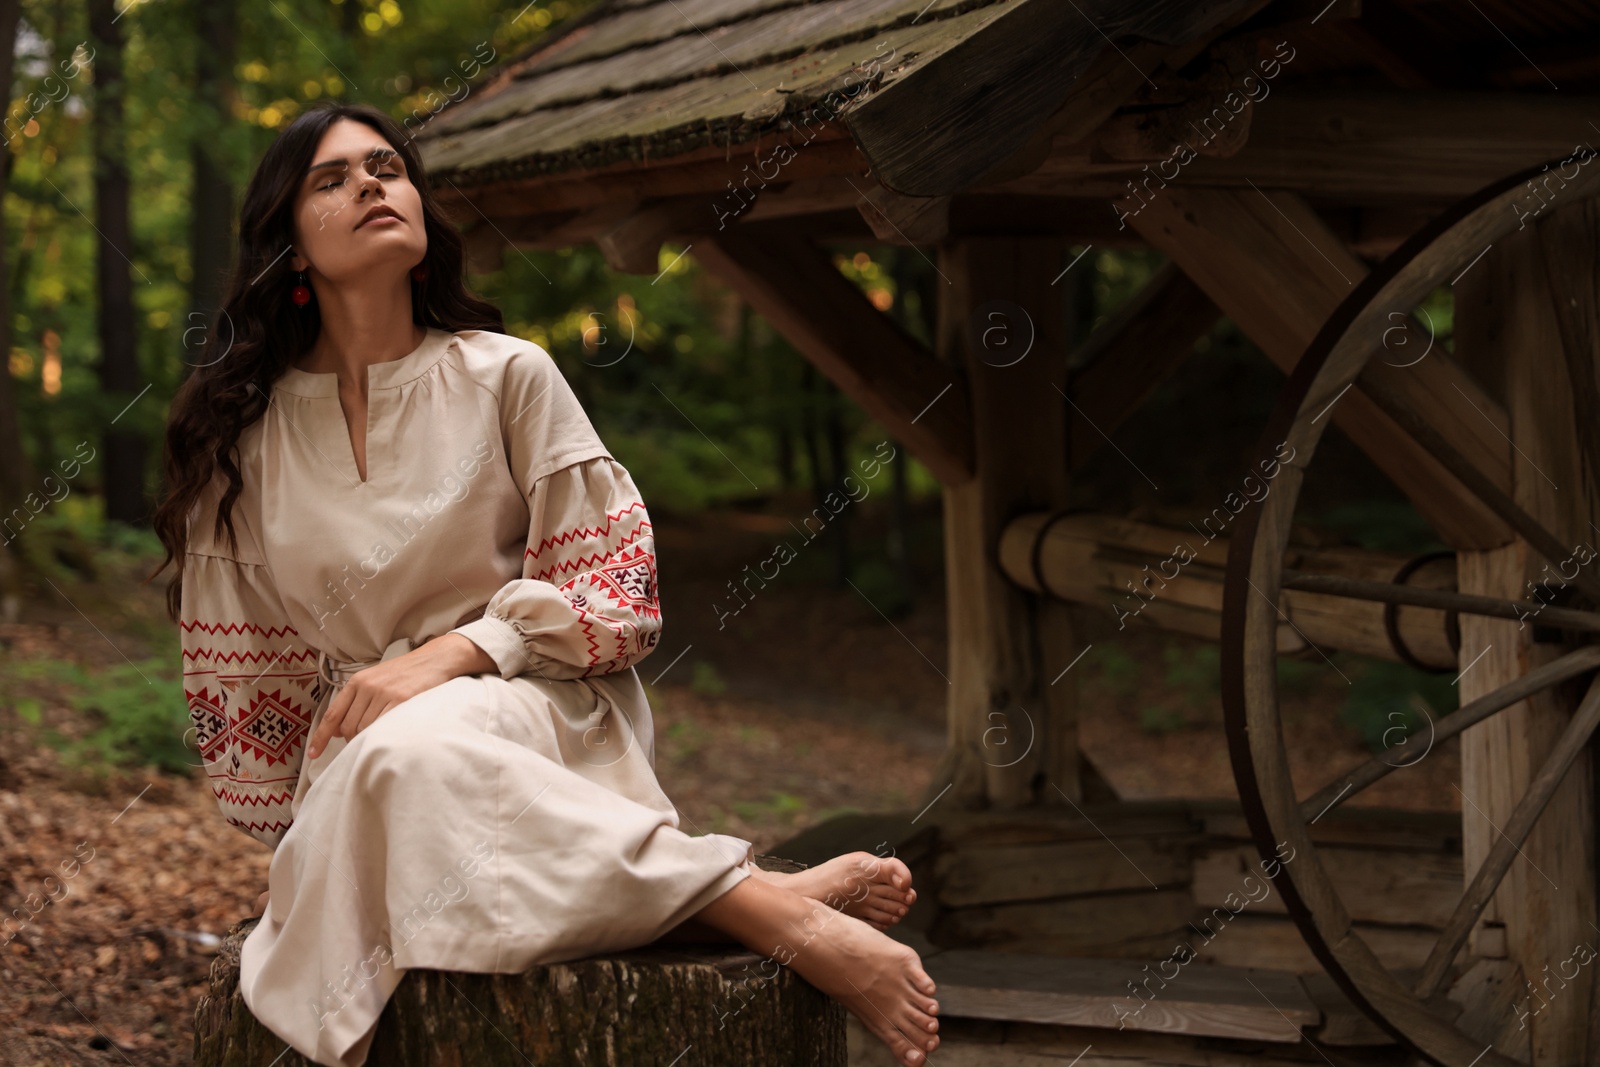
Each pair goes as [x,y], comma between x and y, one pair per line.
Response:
[1411,1007]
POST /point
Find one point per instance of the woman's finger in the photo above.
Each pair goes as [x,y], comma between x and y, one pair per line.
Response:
[330,722]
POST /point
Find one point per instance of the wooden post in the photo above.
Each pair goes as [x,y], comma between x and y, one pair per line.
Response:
[1012,715]
[1507,333]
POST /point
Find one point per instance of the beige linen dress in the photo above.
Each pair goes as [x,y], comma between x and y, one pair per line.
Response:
[488,824]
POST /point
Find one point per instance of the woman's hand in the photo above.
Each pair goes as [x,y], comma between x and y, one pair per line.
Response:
[372,691]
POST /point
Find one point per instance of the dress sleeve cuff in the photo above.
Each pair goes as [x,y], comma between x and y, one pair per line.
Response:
[501,641]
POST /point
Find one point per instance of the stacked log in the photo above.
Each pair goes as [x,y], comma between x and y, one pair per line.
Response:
[1143,574]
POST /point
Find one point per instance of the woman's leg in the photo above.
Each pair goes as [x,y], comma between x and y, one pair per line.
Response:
[874,889]
[880,981]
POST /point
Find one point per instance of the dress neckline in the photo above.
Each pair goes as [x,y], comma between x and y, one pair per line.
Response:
[386,375]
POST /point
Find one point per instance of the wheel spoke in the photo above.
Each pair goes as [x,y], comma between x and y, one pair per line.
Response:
[1508,846]
[1498,501]
[1555,672]
[1443,599]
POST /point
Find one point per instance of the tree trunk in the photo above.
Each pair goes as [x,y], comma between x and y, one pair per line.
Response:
[639,1007]
[211,222]
[15,472]
[119,354]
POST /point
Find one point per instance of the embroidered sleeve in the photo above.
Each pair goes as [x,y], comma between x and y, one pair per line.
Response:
[249,682]
[586,602]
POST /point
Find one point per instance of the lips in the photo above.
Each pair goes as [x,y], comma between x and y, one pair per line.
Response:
[375,213]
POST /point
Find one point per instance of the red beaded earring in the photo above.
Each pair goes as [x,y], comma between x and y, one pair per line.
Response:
[419,272]
[301,294]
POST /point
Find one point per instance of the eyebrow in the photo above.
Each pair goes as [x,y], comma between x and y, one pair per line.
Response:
[387,154]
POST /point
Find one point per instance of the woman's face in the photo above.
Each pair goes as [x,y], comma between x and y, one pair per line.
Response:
[353,171]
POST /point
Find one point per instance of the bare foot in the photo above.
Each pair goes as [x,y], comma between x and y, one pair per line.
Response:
[878,980]
[874,889]
[261,901]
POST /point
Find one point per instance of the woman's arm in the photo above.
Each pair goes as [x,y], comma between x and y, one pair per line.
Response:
[587,602]
[249,682]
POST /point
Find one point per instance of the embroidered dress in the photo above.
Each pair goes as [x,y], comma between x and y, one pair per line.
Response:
[490,823]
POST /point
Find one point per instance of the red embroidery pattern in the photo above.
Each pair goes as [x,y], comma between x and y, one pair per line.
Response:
[250,693]
[612,587]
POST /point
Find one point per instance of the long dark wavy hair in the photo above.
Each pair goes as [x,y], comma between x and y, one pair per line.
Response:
[258,333]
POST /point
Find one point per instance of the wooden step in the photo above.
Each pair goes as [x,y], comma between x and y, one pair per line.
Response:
[1212,1001]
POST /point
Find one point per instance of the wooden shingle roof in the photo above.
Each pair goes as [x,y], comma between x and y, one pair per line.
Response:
[647,80]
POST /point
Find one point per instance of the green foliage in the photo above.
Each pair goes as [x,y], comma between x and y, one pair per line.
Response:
[1154,719]
[1119,669]
[880,583]
[779,806]
[1388,702]
[1296,677]
[707,681]
[139,712]
[1195,672]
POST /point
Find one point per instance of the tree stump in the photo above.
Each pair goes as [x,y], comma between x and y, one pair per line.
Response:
[646,1006]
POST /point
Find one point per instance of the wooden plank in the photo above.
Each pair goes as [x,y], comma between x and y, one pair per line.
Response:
[1273,267]
[797,289]
[1113,994]
[1038,872]
[1382,886]
[989,1043]
[1129,357]
[1547,900]
[1493,996]
[1343,1024]
[1274,942]
[1409,831]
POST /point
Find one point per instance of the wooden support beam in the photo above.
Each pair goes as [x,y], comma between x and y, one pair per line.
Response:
[1128,357]
[632,244]
[905,220]
[1277,271]
[1345,147]
[1508,329]
[795,286]
[1013,732]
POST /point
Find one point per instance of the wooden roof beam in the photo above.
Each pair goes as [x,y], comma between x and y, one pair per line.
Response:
[1279,272]
[1133,353]
[941,126]
[795,287]
[1348,146]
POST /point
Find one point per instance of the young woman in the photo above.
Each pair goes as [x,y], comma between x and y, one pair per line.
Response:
[413,587]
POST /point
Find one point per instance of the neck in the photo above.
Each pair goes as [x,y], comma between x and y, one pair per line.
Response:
[363,325]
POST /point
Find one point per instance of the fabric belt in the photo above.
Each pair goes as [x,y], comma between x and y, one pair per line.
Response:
[336,673]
